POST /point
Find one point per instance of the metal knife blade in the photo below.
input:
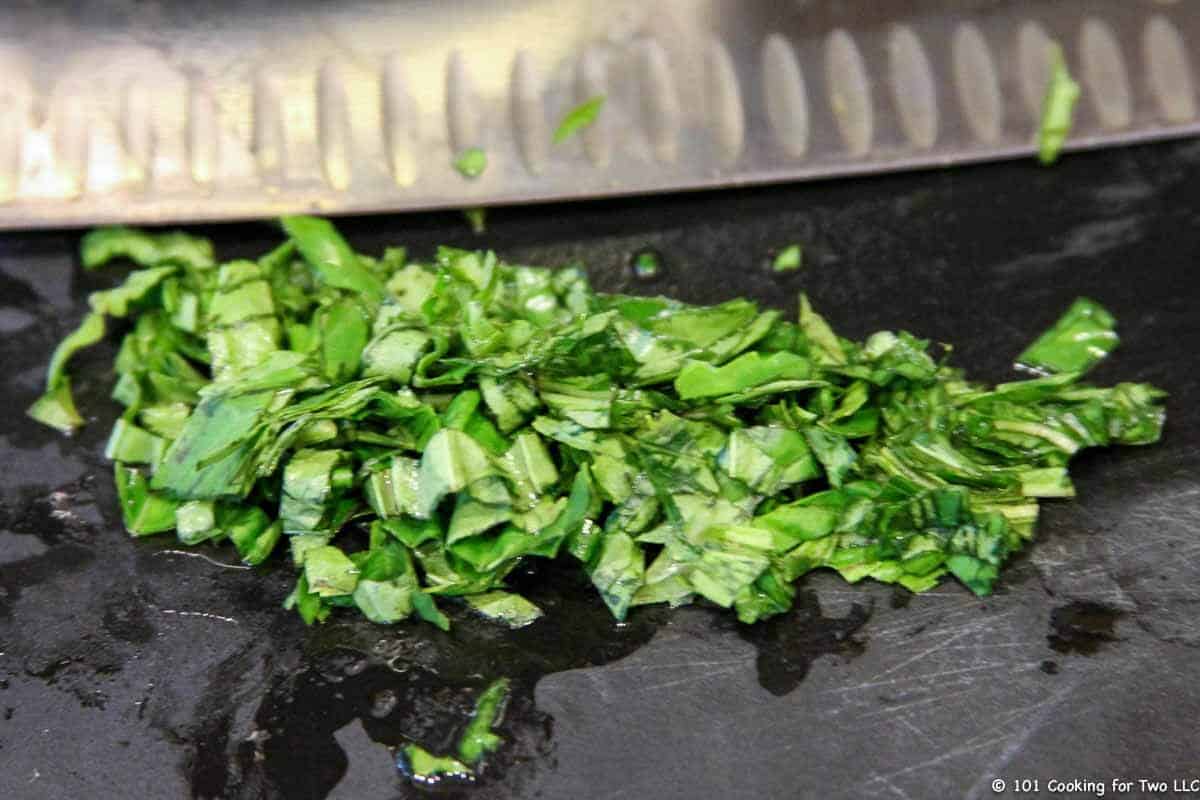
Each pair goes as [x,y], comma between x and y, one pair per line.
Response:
[160,111]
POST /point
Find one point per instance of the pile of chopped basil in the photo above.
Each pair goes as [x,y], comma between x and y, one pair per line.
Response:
[409,433]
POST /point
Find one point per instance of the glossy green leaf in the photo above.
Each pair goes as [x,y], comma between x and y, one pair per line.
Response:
[307,603]
[504,607]
[427,610]
[329,572]
[344,331]
[212,457]
[427,769]
[698,379]
[1080,338]
[145,249]
[196,521]
[56,408]
[478,739]
[617,572]
[823,342]
[89,332]
[331,258]
[144,511]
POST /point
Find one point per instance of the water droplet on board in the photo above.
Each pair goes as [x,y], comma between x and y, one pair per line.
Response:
[419,686]
[1082,627]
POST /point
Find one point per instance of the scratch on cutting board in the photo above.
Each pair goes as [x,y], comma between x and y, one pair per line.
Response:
[680,664]
[903,623]
[202,557]
[899,708]
[895,788]
[1031,719]
[858,687]
[887,778]
[912,726]
[691,678]
[941,645]
[203,614]
[1045,710]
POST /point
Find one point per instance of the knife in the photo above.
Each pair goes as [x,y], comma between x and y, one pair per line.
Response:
[169,111]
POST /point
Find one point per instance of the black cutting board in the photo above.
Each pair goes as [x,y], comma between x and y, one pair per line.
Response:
[129,669]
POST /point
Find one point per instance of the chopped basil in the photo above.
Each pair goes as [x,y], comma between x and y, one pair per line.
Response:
[647,264]
[1080,338]
[578,118]
[476,218]
[478,740]
[429,770]
[467,415]
[511,609]
[471,162]
[1058,108]
[788,259]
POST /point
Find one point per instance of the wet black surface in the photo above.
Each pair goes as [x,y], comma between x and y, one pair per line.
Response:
[788,644]
[131,669]
[416,686]
[1082,627]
